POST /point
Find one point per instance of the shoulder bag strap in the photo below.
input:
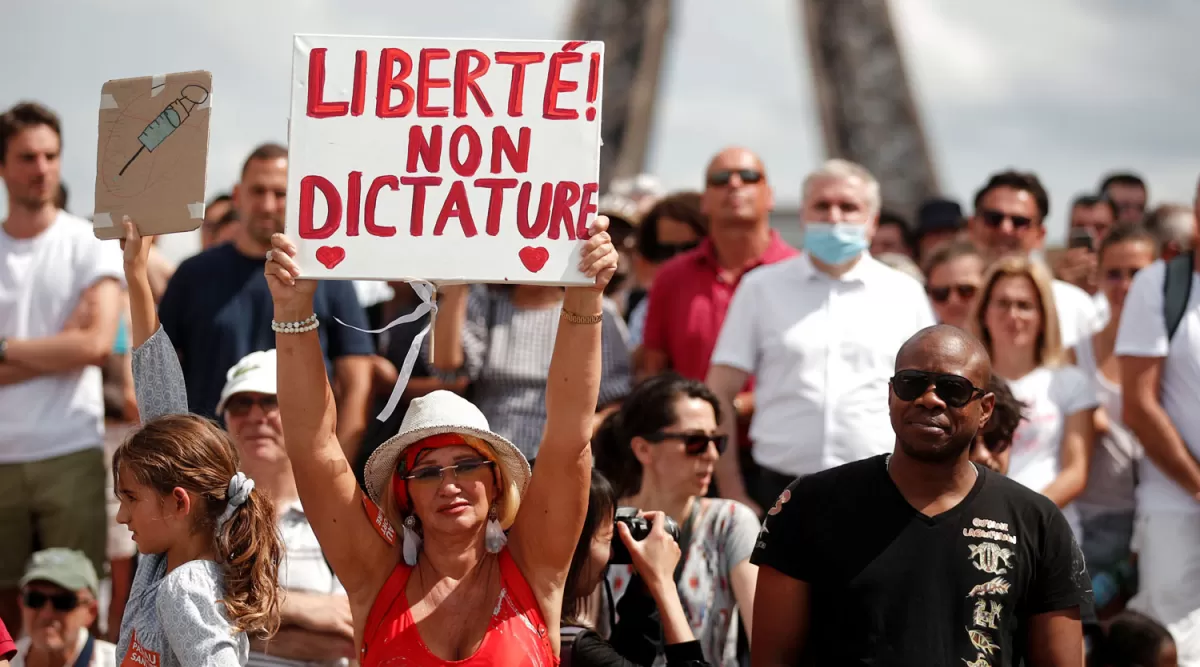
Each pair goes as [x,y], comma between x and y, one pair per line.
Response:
[1177,288]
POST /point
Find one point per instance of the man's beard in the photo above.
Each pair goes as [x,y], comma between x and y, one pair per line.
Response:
[264,228]
[951,451]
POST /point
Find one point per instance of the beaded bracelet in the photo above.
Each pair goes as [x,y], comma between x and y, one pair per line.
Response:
[308,324]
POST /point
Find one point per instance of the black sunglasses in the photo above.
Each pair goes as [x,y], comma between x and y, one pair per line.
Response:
[993,218]
[60,601]
[942,294]
[240,405]
[661,252]
[954,390]
[695,444]
[722,177]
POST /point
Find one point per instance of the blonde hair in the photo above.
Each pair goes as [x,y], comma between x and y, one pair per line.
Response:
[844,170]
[1049,349]
[194,454]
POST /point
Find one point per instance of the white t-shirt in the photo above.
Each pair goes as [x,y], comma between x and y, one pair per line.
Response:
[1078,316]
[1050,394]
[1143,333]
[822,350]
[41,280]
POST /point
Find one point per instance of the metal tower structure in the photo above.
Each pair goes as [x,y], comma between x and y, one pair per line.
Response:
[865,103]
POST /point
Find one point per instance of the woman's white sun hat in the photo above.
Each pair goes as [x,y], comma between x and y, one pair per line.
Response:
[443,412]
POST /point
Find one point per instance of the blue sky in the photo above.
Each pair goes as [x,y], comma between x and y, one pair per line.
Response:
[1069,88]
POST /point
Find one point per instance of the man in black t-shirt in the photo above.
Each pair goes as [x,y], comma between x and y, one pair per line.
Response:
[217,308]
[920,557]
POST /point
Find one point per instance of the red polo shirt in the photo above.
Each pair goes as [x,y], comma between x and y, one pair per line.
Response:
[688,302]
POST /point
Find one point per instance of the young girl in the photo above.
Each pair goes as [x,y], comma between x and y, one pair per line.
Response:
[210,552]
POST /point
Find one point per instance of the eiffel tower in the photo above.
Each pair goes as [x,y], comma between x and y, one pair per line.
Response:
[866,107]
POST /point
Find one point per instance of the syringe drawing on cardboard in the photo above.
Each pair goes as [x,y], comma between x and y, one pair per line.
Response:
[166,122]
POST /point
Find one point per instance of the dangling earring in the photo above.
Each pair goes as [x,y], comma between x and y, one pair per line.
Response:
[494,538]
[412,541]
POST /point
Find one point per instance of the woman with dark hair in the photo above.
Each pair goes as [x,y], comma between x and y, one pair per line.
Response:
[635,640]
[674,225]
[993,443]
[660,453]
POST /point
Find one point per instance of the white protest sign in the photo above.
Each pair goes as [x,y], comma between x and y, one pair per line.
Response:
[448,160]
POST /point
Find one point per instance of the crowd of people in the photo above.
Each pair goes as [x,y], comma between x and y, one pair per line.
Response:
[916,439]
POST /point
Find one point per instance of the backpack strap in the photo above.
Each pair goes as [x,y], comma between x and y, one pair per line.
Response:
[568,635]
[1177,289]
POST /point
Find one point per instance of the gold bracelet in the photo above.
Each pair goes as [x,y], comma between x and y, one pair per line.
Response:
[576,318]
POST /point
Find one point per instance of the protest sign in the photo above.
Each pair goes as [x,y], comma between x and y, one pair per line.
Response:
[152,152]
[447,160]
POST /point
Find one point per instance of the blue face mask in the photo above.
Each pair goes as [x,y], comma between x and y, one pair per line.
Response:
[835,243]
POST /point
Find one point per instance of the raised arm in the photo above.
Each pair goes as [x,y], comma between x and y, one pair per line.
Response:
[544,535]
[157,376]
[330,493]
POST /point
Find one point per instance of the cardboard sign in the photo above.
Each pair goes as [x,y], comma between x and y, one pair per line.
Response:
[153,147]
[447,160]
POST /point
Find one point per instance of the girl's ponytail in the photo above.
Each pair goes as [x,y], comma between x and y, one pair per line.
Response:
[249,546]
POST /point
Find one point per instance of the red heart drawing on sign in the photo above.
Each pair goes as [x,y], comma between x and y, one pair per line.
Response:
[534,258]
[330,256]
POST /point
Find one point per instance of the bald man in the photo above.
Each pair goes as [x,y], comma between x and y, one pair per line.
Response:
[920,557]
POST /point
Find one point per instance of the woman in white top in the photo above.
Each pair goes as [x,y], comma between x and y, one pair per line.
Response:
[1017,320]
[660,450]
[1107,506]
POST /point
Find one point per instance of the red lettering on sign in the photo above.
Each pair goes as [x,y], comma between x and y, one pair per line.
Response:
[353,203]
[556,86]
[333,202]
[470,165]
[359,99]
[417,218]
[532,231]
[456,206]
[464,80]
[495,201]
[389,81]
[517,155]
[317,106]
[428,150]
[426,82]
[566,194]
[586,210]
[372,195]
[516,87]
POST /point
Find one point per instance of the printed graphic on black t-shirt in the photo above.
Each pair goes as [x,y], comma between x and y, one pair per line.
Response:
[889,585]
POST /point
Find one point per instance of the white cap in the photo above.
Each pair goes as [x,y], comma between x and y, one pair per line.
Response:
[255,373]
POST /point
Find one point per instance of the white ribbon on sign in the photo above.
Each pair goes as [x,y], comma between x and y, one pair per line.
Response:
[425,290]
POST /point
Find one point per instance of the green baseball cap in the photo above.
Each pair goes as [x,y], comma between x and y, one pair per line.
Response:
[63,567]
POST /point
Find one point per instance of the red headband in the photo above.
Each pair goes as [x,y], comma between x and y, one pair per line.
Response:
[414,452]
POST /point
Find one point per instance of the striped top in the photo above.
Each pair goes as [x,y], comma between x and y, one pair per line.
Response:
[507,352]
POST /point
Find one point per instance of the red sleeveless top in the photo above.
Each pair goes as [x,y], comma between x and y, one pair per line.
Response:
[516,637]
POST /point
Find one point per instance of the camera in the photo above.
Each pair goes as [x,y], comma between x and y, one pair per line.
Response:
[1080,237]
[639,528]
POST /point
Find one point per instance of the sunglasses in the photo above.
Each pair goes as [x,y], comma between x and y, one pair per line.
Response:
[1116,275]
[695,444]
[460,470]
[993,218]
[723,177]
[942,294]
[240,406]
[953,390]
[661,252]
[66,601]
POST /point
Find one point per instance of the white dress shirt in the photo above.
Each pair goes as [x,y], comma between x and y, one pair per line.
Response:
[822,350]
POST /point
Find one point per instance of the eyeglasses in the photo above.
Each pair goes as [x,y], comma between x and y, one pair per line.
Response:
[240,404]
[723,177]
[1116,275]
[954,390]
[942,294]
[460,470]
[65,601]
[695,444]
[993,218]
[661,252]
